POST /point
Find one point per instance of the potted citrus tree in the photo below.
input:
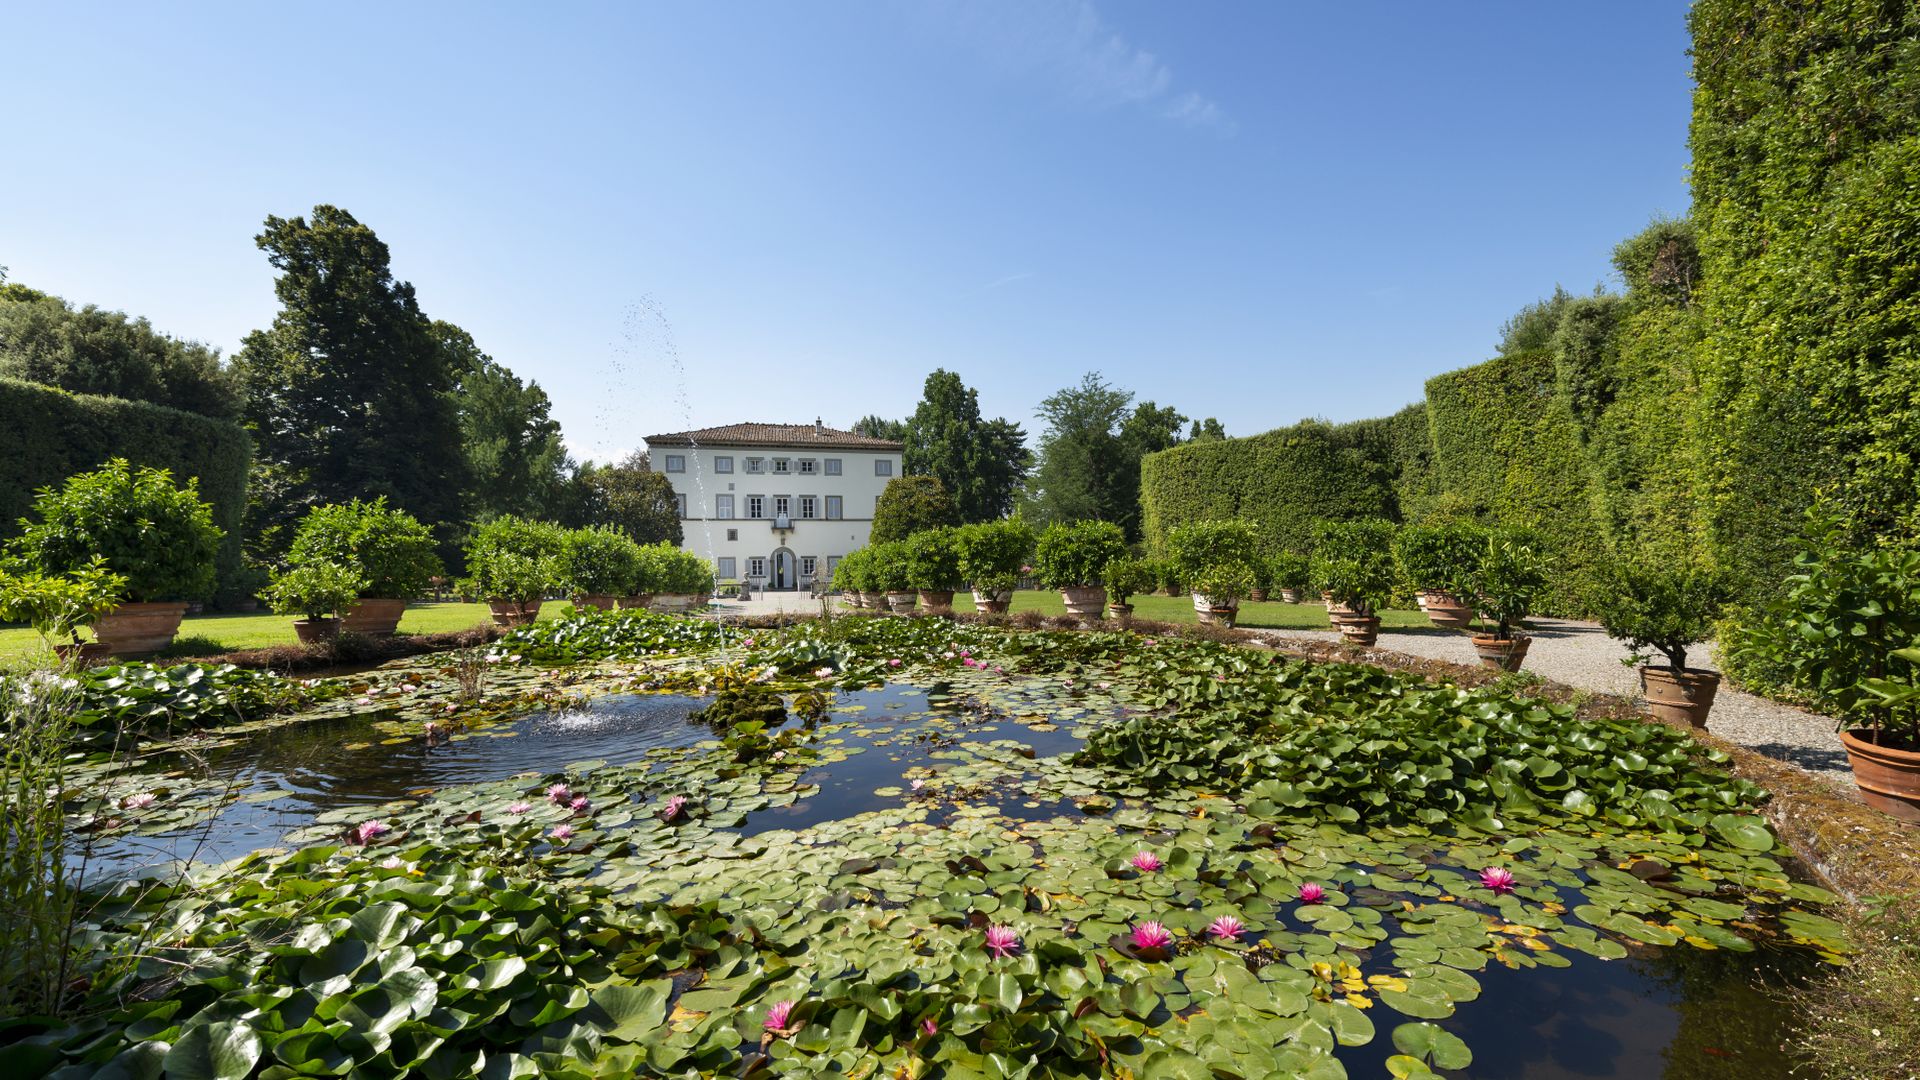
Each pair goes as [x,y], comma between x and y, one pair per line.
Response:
[598,566]
[394,553]
[1439,561]
[685,583]
[1353,567]
[992,554]
[1510,575]
[513,563]
[156,534]
[1292,572]
[888,573]
[59,606]
[933,566]
[1658,607]
[1845,634]
[846,578]
[1219,561]
[1126,577]
[318,592]
[1072,556]
[649,570]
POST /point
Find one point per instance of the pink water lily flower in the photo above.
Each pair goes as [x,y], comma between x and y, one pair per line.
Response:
[1151,935]
[928,1027]
[779,1015]
[138,801]
[562,832]
[675,807]
[1312,893]
[1497,878]
[1146,861]
[1226,928]
[367,830]
[823,673]
[1002,941]
[519,807]
[560,794]
[894,662]
[580,804]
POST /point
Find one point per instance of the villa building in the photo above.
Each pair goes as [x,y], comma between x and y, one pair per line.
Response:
[775,505]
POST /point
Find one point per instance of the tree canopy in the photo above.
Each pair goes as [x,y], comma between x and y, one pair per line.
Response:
[91,350]
[981,463]
[630,497]
[515,460]
[910,504]
[348,392]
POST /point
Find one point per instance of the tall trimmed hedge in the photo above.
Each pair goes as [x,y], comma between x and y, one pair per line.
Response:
[1506,444]
[52,435]
[1806,180]
[1282,482]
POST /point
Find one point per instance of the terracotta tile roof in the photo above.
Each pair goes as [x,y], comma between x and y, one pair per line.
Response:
[787,435]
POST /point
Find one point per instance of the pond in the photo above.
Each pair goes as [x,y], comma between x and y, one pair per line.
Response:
[881,828]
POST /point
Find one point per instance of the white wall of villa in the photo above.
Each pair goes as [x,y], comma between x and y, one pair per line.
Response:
[774,505]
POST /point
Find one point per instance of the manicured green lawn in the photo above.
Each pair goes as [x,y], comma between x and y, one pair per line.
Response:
[1269,615]
[205,635]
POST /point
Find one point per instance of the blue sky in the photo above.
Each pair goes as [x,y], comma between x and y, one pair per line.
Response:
[1255,211]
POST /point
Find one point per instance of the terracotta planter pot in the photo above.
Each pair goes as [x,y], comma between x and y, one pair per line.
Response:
[1446,610]
[603,601]
[140,629]
[670,603]
[317,631]
[1501,655]
[86,654]
[1085,601]
[508,614]
[1289,596]
[849,598]
[637,600]
[1889,777]
[374,616]
[937,599]
[1257,595]
[988,602]
[901,603]
[1679,698]
[1170,591]
[1119,611]
[1357,629]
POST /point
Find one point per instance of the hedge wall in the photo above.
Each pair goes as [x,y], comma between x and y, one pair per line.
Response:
[1806,178]
[52,434]
[1505,445]
[1282,481]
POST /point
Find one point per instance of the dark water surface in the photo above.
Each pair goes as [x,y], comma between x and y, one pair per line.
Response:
[1677,1013]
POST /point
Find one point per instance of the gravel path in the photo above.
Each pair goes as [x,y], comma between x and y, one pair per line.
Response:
[1581,655]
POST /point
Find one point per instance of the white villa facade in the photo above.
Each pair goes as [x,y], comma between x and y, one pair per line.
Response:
[774,505]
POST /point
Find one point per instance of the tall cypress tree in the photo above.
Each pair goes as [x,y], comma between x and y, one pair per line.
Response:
[980,462]
[347,393]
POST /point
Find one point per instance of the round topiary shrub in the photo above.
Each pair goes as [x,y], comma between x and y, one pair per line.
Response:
[601,561]
[513,559]
[392,551]
[933,560]
[993,554]
[157,534]
[1219,559]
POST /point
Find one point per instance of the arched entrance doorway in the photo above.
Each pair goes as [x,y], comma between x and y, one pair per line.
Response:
[784,570]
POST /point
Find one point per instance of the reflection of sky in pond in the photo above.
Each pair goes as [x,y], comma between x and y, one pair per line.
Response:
[1678,1013]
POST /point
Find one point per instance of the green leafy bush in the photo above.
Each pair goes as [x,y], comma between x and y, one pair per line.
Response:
[667,569]
[1071,555]
[1442,558]
[1509,579]
[933,560]
[1206,548]
[1126,577]
[157,535]
[513,559]
[887,567]
[600,561]
[1353,560]
[1835,628]
[315,590]
[850,573]
[1660,606]
[391,549]
[51,435]
[992,553]
[1291,570]
[60,605]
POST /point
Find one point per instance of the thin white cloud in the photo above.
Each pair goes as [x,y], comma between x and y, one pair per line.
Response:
[1008,280]
[1090,63]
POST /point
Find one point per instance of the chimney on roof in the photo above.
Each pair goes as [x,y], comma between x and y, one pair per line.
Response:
[818,429]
